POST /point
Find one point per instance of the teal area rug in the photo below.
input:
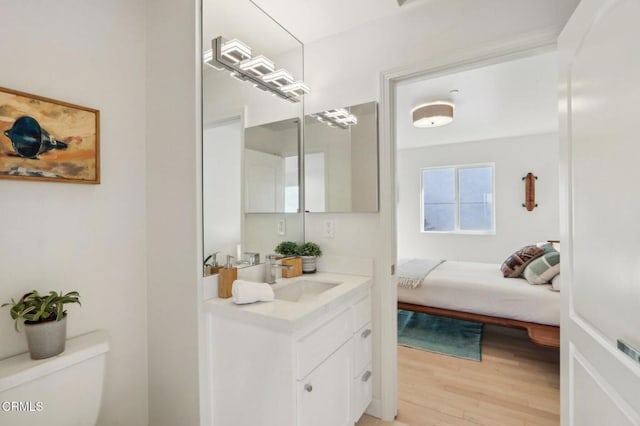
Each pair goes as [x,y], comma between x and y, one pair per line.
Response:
[442,335]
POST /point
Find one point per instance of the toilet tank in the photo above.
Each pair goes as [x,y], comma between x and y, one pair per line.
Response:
[65,390]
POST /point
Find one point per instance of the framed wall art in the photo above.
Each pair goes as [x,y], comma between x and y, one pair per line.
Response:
[48,140]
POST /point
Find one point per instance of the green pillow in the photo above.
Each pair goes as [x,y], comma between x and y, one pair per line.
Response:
[543,269]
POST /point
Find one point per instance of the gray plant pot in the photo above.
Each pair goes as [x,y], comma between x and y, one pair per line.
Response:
[46,339]
[308,264]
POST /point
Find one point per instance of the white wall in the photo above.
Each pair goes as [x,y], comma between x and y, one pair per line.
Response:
[263,231]
[513,158]
[174,237]
[348,76]
[89,238]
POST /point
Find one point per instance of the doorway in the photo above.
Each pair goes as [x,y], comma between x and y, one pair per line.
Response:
[391,114]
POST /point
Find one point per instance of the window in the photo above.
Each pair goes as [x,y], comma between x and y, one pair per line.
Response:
[458,199]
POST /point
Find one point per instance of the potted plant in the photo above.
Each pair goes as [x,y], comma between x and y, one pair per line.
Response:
[45,321]
[309,252]
[289,250]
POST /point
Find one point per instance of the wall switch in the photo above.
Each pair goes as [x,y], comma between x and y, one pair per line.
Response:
[282,227]
[328,229]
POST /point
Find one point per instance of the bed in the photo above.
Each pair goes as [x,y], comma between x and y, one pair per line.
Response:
[479,292]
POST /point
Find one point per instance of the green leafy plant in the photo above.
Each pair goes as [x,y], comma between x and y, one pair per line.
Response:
[35,308]
[287,248]
[309,249]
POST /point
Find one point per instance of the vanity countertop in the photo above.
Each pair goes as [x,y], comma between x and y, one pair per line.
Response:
[286,315]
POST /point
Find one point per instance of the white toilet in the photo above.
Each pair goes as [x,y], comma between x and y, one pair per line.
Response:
[65,390]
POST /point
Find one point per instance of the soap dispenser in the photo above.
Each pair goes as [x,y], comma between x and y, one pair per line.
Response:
[226,277]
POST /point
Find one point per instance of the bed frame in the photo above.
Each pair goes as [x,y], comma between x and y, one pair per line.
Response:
[546,335]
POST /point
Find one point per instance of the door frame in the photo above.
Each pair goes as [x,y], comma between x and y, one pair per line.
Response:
[473,57]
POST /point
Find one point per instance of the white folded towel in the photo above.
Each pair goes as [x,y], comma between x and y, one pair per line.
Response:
[250,292]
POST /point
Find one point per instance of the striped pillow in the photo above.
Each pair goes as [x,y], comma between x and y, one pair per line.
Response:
[543,269]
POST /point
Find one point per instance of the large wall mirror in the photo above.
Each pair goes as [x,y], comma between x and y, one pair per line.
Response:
[252,113]
[341,159]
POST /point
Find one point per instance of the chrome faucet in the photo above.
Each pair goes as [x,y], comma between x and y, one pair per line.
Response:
[252,257]
[269,266]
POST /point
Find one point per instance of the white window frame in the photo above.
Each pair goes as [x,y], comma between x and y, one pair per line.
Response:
[457,229]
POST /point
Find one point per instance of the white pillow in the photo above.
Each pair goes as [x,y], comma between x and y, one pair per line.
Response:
[555,283]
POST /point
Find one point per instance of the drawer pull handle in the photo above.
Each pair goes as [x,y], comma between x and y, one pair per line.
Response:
[629,350]
[366,333]
[308,387]
[366,376]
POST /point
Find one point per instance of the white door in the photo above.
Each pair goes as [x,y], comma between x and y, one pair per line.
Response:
[600,156]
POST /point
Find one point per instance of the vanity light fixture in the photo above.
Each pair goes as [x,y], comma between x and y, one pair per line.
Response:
[235,56]
[339,117]
[258,66]
[434,114]
[235,51]
[298,88]
[207,58]
[279,78]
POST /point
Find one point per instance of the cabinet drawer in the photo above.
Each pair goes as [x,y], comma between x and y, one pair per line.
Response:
[362,348]
[316,346]
[362,393]
[362,312]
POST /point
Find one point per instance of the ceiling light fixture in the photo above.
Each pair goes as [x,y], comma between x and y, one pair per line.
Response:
[235,56]
[434,114]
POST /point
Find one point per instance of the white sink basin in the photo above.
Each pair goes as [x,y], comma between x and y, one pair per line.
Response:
[303,290]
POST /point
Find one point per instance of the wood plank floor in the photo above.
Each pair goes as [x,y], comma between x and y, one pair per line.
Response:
[517,383]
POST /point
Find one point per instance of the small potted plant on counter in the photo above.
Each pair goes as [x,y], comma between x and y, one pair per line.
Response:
[45,321]
[289,250]
[309,252]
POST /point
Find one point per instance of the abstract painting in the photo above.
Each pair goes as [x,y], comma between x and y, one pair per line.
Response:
[48,140]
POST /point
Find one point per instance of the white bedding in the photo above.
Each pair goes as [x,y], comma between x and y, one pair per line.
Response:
[480,288]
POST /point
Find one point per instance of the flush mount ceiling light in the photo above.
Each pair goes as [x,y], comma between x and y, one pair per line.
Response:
[235,56]
[434,114]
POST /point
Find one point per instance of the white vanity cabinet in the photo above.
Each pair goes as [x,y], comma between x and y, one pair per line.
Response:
[313,371]
[323,397]
[362,349]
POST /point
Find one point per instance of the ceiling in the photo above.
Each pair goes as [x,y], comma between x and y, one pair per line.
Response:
[509,99]
[327,17]
[513,98]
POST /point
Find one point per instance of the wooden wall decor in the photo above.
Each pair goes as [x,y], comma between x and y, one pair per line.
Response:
[530,191]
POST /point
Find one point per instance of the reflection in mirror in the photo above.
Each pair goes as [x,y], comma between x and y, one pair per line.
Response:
[271,186]
[231,222]
[341,160]
[271,167]
[221,178]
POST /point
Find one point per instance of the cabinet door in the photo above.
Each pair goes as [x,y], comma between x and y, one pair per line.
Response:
[324,395]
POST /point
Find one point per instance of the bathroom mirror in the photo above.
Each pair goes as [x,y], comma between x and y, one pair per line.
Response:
[244,123]
[271,171]
[341,160]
